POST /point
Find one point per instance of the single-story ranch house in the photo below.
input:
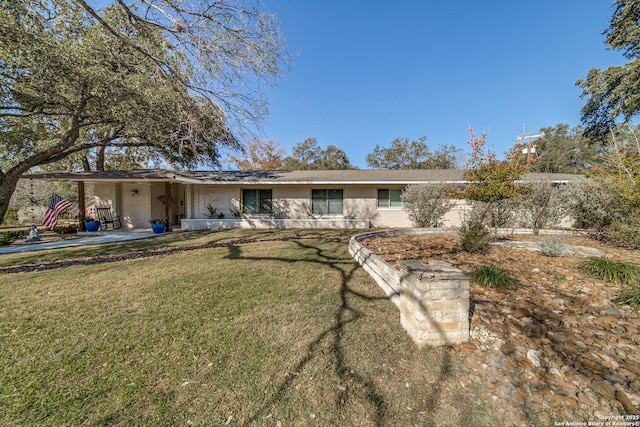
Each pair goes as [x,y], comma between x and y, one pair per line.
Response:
[298,199]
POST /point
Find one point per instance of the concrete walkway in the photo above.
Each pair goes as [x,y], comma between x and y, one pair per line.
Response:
[84,239]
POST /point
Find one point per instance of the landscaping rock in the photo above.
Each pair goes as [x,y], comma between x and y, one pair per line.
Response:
[625,401]
[558,334]
[507,348]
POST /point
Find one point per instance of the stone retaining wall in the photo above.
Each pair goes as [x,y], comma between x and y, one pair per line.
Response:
[433,299]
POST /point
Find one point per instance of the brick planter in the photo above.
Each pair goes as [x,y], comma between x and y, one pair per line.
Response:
[433,299]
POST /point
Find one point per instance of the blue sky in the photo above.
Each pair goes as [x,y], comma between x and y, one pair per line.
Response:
[366,72]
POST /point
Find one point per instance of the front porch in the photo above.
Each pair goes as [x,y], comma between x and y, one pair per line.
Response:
[267,222]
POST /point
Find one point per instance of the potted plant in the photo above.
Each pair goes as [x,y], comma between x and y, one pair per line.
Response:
[91,224]
[212,212]
[236,213]
[157,225]
[269,210]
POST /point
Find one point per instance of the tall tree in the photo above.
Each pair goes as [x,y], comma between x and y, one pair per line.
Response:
[259,155]
[614,93]
[309,155]
[412,155]
[156,79]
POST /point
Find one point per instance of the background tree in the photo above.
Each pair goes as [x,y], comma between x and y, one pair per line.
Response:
[159,83]
[412,155]
[561,150]
[614,93]
[309,155]
[259,155]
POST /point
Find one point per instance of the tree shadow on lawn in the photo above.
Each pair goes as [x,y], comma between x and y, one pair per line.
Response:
[138,249]
[345,314]
[365,387]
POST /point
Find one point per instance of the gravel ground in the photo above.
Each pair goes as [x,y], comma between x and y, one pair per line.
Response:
[556,349]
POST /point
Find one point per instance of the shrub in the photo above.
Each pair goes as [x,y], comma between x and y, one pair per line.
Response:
[551,247]
[501,213]
[493,277]
[474,237]
[542,206]
[9,237]
[426,204]
[489,179]
[590,204]
[65,229]
[611,271]
[623,232]
[620,176]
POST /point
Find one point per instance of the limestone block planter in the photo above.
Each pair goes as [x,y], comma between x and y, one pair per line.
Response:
[433,299]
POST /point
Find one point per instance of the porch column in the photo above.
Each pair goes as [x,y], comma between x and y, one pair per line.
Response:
[81,206]
[168,207]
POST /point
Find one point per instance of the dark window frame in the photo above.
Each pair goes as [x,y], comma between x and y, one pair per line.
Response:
[327,201]
[392,199]
[258,203]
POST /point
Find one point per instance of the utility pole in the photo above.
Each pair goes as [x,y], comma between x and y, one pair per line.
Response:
[530,149]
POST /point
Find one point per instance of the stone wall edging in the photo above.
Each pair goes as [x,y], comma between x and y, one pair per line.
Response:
[433,302]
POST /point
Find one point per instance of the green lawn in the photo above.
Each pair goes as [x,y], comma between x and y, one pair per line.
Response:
[238,327]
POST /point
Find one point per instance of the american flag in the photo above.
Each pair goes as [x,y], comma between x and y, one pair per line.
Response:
[56,205]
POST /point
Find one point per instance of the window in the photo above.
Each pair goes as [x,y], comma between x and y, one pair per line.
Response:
[389,198]
[326,202]
[256,201]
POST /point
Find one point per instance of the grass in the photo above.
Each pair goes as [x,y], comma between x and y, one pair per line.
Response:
[491,276]
[611,271]
[623,273]
[629,295]
[209,328]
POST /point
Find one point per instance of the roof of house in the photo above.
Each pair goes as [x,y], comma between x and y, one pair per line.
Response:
[352,176]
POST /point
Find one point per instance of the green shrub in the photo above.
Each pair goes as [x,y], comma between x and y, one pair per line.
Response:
[65,229]
[611,271]
[9,237]
[624,232]
[474,237]
[589,203]
[493,277]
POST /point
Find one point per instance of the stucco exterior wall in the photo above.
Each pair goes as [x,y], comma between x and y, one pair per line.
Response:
[294,201]
[290,201]
[222,198]
[136,208]
[105,194]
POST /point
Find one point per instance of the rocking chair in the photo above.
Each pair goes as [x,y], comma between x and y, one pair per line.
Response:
[107,219]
